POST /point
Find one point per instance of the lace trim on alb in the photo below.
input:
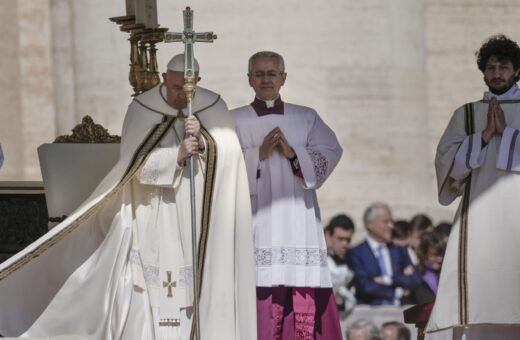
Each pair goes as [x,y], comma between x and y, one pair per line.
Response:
[304,326]
[291,256]
[150,273]
[186,276]
[320,164]
[150,171]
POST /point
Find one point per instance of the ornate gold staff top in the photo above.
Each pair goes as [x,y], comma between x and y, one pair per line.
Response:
[189,37]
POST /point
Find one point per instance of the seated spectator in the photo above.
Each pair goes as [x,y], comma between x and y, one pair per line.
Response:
[339,234]
[363,330]
[394,330]
[444,229]
[401,233]
[383,272]
[419,224]
[402,236]
[431,254]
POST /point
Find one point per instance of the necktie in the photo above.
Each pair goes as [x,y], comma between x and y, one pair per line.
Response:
[384,270]
[381,260]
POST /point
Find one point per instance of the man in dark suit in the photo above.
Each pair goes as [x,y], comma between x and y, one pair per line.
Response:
[383,272]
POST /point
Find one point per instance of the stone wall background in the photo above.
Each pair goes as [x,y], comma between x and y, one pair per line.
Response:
[386,75]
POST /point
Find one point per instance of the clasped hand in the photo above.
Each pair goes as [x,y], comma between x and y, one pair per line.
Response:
[275,140]
[193,142]
[496,122]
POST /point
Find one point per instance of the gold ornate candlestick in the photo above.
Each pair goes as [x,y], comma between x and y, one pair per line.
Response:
[135,68]
[143,63]
[151,37]
[143,73]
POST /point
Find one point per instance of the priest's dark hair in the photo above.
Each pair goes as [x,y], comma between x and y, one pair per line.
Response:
[266,54]
[421,223]
[402,230]
[503,48]
[341,221]
[430,240]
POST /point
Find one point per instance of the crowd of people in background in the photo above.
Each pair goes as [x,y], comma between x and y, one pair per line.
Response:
[367,330]
[398,263]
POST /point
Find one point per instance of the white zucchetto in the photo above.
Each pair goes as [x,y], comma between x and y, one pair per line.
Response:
[177,64]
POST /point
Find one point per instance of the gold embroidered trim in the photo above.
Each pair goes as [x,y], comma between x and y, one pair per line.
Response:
[169,323]
[144,149]
[513,101]
[166,101]
[88,132]
[193,113]
[209,184]
[463,234]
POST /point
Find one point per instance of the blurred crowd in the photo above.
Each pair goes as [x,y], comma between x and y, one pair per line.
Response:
[367,330]
[398,263]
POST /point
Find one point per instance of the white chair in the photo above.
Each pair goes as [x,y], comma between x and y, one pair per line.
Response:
[73,166]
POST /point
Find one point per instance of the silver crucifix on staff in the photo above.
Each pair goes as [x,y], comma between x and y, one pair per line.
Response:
[189,37]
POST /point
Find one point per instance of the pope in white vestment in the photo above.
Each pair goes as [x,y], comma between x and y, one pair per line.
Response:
[478,157]
[120,267]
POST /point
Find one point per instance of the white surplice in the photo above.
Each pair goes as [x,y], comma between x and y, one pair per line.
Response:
[103,272]
[290,247]
[484,298]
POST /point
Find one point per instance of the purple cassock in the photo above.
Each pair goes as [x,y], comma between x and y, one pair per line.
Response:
[301,313]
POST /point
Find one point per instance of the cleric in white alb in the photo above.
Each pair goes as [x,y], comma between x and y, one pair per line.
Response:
[289,153]
[478,157]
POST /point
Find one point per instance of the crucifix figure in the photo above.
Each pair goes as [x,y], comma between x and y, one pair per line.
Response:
[189,37]
[169,283]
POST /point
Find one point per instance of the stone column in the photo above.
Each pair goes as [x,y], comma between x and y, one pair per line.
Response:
[10,97]
[100,63]
[27,113]
[373,95]
[37,107]
[63,76]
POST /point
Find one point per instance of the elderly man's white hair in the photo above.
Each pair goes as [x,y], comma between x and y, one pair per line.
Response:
[266,54]
[372,332]
[176,64]
[370,212]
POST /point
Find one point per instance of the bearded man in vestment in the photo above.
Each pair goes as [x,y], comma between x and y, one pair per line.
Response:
[289,153]
[478,158]
[120,267]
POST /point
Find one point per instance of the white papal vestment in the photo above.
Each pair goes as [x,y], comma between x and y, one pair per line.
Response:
[290,247]
[480,278]
[120,266]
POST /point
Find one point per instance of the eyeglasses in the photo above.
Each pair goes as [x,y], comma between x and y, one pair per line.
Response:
[268,74]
